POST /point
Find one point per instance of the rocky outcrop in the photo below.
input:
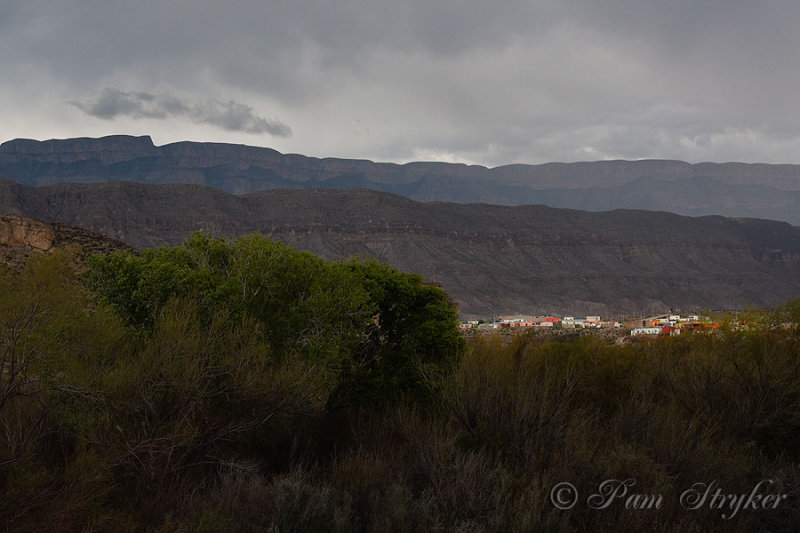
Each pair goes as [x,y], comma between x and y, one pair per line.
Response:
[18,231]
[20,237]
[491,259]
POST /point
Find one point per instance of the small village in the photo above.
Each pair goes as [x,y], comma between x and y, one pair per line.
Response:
[625,330]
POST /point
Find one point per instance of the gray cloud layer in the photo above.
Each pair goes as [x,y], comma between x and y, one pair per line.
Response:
[493,83]
[230,116]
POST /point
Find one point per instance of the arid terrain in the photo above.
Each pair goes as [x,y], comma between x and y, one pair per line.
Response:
[491,259]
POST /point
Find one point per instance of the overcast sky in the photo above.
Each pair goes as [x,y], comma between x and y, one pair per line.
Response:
[455,80]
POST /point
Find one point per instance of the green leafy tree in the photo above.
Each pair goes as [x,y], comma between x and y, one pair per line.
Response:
[47,329]
[54,346]
[387,333]
[411,343]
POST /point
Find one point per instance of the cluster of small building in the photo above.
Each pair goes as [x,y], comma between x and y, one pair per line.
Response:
[547,321]
[656,326]
[668,325]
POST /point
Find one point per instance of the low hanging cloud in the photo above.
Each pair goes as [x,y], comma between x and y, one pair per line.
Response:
[229,116]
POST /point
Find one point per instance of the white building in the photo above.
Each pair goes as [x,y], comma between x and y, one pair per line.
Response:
[646,331]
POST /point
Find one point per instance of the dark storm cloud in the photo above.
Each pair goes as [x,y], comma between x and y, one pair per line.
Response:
[492,83]
[111,103]
[230,116]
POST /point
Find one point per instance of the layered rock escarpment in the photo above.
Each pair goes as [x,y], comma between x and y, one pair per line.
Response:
[730,189]
[491,259]
[107,150]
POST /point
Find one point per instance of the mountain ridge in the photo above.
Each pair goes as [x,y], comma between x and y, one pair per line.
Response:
[492,259]
[754,190]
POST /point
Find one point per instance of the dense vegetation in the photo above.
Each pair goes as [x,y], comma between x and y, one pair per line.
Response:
[245,386]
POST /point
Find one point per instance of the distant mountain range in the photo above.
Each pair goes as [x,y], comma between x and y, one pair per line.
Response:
[492,259]
[730,189]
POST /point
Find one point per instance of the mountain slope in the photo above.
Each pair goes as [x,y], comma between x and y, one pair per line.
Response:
[491,259]
[731,189]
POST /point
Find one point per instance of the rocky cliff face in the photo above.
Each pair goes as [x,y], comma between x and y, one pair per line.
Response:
[20,237]
[18,231]
[491,259]
[731,189]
